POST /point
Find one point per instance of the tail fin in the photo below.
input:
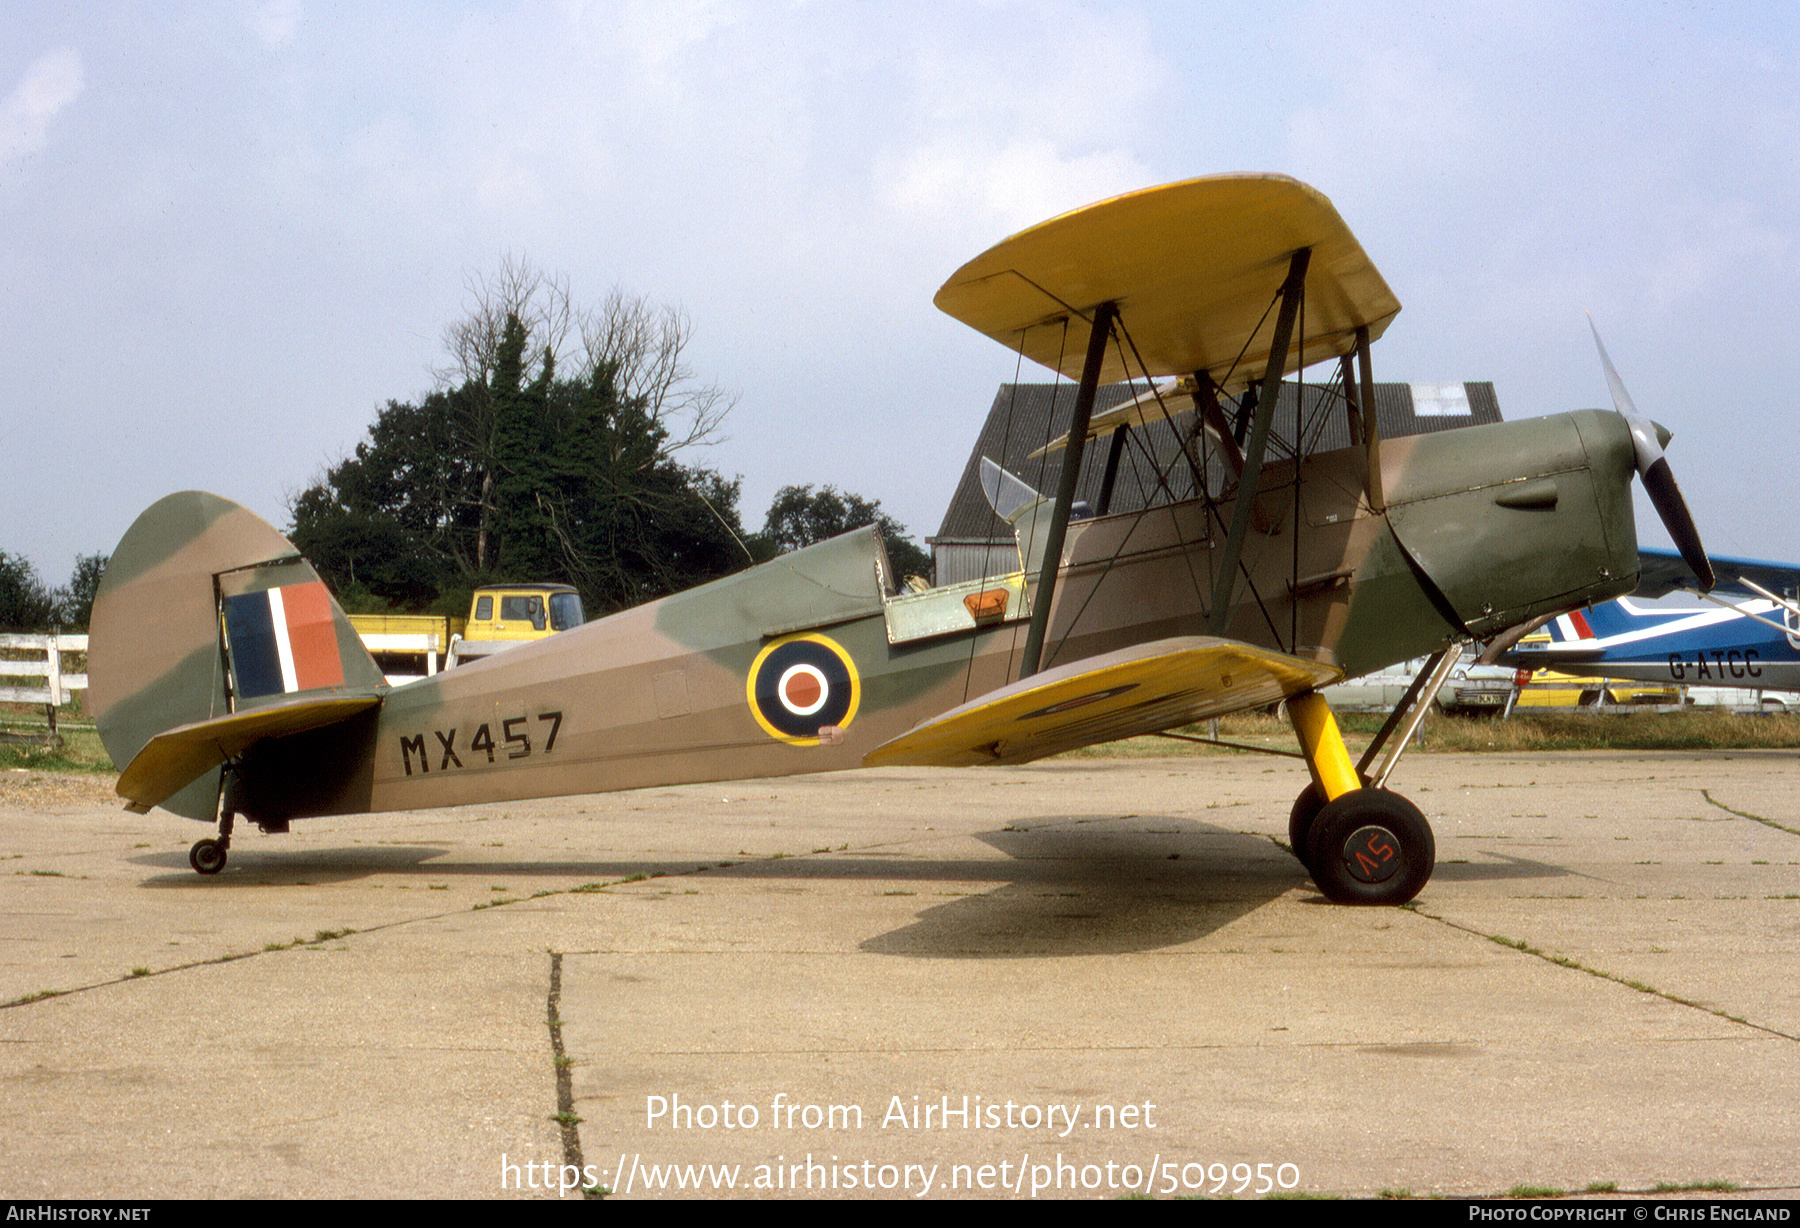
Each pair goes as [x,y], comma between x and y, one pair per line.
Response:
[206,610]
[1613,618]
[1571,628]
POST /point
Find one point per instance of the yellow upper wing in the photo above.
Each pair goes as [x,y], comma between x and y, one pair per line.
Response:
[1144,689]
[1192,266]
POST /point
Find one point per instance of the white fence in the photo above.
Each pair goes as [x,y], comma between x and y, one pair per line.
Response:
[48,665]
[43,658]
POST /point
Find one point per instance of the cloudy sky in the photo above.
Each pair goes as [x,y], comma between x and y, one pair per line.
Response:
[234,230]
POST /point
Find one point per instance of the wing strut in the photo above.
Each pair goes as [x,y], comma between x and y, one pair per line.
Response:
[1206,404]
[1371,428]
[1226,584]
[1112,470]
[1065,487]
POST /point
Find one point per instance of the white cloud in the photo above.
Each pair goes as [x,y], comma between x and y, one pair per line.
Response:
[276,23]
[1001,187]
[657,33]
[987,143]
[51,83]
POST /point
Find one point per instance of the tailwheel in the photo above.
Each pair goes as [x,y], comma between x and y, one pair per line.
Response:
[1370,846]
[207,856]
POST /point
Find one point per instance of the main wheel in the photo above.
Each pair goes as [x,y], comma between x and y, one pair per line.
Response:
[207,856]
[1371,847]
[1302,820]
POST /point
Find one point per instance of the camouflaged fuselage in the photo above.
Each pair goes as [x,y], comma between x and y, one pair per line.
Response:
[806,664]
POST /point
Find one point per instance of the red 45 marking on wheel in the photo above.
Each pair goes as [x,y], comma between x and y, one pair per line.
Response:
[1371,854]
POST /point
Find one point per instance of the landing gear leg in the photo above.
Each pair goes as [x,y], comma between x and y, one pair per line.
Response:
[1329,761]
[1361,845]
[208,856]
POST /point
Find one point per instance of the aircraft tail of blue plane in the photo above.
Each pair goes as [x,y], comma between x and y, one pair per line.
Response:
[1747,640]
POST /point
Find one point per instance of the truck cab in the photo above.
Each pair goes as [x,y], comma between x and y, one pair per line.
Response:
[522,612]
[503,616]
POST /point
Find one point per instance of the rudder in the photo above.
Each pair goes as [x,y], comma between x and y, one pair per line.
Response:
[194,577]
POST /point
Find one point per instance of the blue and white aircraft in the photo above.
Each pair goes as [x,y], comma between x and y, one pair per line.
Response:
[1749,637]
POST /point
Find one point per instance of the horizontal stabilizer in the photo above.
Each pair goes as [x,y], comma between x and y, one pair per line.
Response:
[1146,689]
[173,758]
[1663,571]
[1538,656]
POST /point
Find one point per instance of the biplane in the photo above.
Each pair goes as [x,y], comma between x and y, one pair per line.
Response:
[230,685]
[1747,638]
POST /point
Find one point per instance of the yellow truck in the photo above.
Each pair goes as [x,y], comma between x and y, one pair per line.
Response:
[500,616]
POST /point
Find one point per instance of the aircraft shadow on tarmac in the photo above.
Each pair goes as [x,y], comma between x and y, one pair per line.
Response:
[1068,884]
[1100,885]
[1079,888]
[282,866]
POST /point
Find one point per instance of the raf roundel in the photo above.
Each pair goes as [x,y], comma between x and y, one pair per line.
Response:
[801,684]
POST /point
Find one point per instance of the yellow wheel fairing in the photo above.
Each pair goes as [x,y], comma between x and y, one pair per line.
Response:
[799,684]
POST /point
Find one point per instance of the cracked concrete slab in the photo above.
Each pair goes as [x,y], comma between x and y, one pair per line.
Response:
[1093,973]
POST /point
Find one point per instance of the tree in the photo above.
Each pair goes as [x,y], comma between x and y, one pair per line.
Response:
[77,600]
[515,470]
[25,604]
[639,343]
[799,516]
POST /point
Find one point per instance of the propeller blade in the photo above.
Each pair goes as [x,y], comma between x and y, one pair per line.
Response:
[1653,469]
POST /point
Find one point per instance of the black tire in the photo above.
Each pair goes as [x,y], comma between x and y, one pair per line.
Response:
[1303,820]
[1300,823]
[1371,847]
[207,857]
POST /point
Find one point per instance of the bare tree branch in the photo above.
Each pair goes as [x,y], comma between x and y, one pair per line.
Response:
[541,301]
[643,345]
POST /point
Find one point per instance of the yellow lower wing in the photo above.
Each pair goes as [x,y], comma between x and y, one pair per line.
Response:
[1145,689]
[174,758]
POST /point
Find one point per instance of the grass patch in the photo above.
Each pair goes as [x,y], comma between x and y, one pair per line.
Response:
[1684,1187]
[81,750]
[1689,729]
